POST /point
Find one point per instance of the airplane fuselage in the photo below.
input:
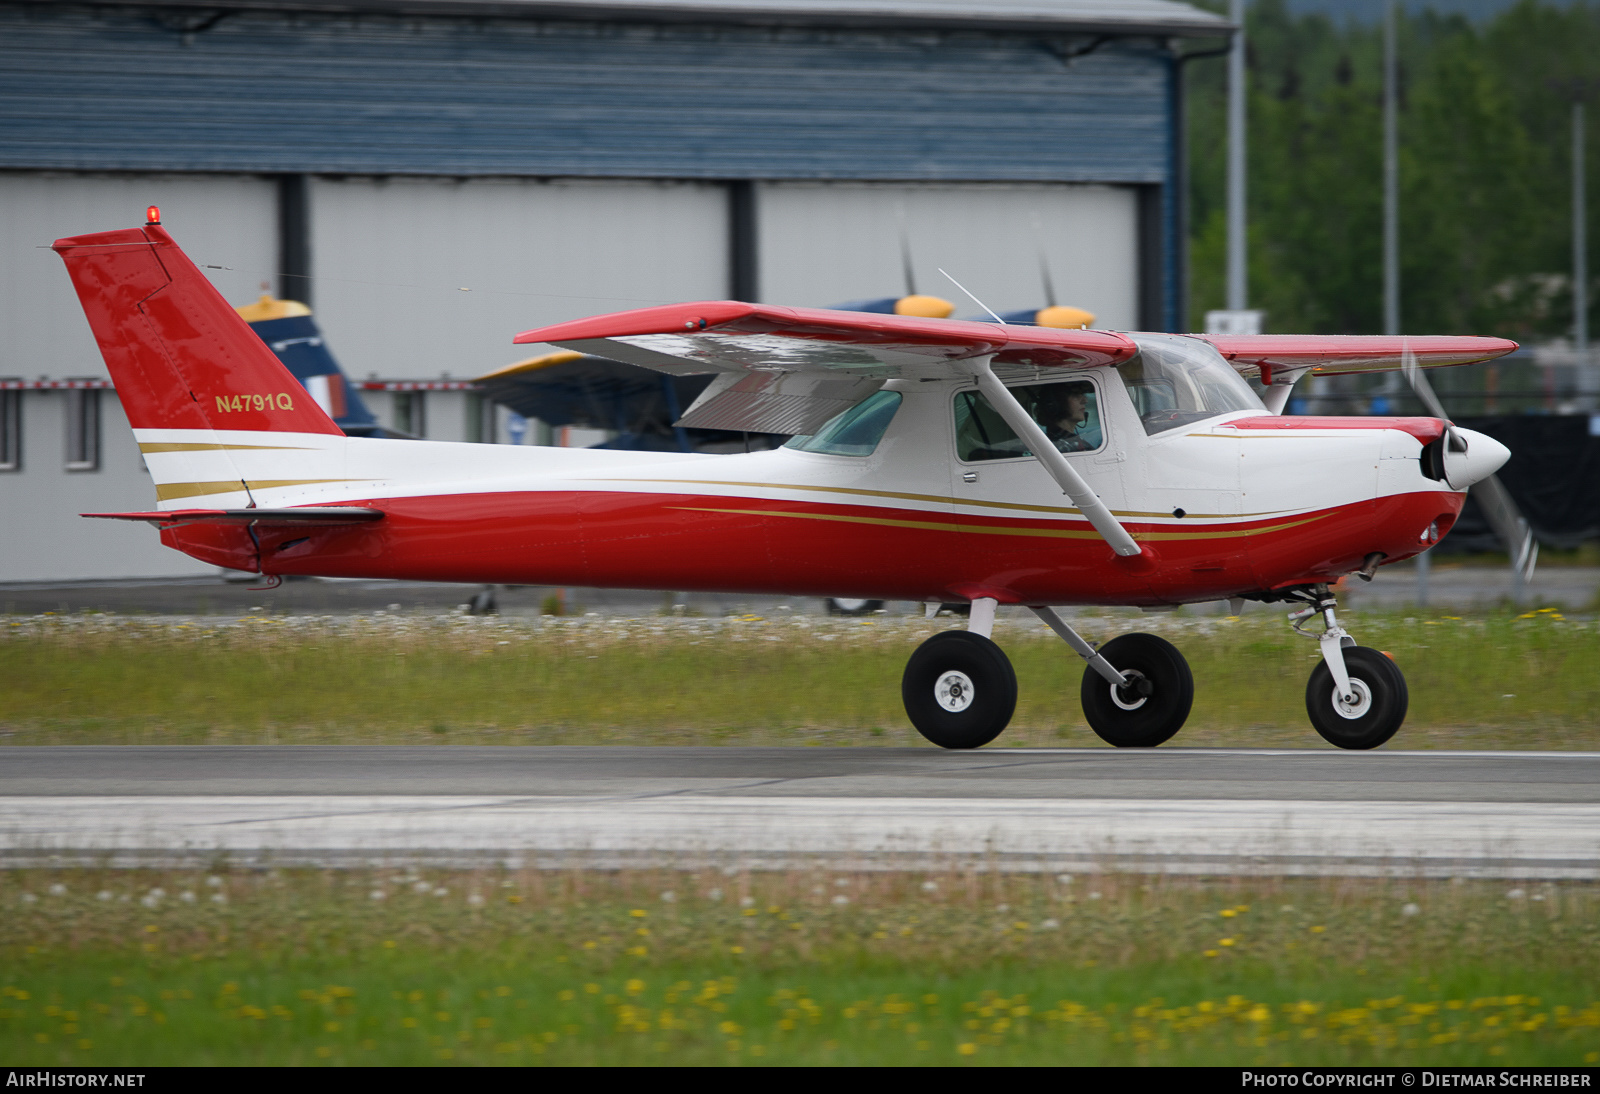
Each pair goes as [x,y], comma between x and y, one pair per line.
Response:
[1237,504]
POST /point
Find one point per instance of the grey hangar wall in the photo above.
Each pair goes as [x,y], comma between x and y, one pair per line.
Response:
[378,163]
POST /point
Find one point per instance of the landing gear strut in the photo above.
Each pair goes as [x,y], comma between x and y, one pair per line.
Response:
[1137,688]
[1356,696]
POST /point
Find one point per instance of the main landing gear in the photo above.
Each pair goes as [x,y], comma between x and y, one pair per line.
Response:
[960,691]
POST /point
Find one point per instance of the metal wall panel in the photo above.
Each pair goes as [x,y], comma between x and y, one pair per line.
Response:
[90,88]
[42,537]
[426,279]
[825,243]
[220,220]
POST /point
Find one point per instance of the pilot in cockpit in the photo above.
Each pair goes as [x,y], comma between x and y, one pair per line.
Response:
[1062,410]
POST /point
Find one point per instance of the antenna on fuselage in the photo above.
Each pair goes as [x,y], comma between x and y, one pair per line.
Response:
[974,299]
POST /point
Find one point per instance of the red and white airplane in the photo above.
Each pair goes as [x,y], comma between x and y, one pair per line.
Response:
[934,460]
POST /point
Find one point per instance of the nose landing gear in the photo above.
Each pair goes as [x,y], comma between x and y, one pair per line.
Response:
[1356,696]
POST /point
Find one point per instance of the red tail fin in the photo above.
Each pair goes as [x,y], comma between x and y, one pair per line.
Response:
[180,356]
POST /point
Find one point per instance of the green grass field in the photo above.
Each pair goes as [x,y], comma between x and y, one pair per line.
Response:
[806,967]
[1498,680]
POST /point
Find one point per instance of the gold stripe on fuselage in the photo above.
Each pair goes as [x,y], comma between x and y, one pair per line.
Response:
[170,490]
[198,446]
[941,499]
[992,530]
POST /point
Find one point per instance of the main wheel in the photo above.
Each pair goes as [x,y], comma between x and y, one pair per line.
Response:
[1379,707]
[959,690]
[840,606]
[1150,709]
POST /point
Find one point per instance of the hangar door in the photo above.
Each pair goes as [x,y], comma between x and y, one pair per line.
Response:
[824,243]
[74,451]
[227,222]
[427,278]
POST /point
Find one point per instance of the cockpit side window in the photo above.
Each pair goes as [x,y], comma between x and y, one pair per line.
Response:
[1068,412]
[1175,381]
[857,431]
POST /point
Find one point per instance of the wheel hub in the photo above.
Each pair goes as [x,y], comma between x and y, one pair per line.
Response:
[1135,693]
[953,691]
[1361,703]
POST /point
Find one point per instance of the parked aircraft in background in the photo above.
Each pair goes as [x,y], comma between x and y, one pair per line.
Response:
[289,331]
[932,460]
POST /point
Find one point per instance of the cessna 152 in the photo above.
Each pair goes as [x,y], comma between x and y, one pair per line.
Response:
[930,461]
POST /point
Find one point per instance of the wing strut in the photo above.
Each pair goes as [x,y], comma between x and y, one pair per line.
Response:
[1071,483]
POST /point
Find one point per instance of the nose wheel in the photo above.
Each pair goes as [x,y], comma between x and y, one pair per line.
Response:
[1370,712]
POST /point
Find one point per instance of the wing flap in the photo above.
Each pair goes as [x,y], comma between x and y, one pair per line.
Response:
[776,402]
[323,515]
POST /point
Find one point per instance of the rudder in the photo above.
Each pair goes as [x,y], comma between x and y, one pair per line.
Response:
[178,353]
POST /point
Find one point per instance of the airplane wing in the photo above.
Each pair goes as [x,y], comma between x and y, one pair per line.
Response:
[308,515]
[788,370]
[1291,355]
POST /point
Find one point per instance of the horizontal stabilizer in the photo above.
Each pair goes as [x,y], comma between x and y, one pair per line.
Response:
[309,515]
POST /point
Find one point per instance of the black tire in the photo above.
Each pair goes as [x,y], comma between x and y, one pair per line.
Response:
[989,690]
[842,606]
[1154,709]
[1382,708]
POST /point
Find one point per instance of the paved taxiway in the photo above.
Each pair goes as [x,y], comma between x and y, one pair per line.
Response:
[1182,810]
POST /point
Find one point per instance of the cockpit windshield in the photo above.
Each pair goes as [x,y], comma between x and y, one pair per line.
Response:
[1176,380]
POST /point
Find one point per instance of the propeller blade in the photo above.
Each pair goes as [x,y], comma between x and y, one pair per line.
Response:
[1419,384]
[1509,524]
[1502,513]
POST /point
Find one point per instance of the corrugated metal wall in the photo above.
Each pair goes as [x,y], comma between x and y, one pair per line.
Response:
[823,243]
[95,89]
[225,222]
[393,256]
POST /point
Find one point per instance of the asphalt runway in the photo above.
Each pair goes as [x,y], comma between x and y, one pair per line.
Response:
[1452,585]
[1179,810]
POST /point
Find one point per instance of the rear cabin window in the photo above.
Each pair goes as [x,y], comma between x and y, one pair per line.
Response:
[857,431]
[1068,412]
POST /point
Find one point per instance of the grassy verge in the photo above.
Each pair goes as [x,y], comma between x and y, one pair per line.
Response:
[1505,681]
[404,967]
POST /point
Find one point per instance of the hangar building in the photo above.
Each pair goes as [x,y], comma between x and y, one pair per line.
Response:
[432,176]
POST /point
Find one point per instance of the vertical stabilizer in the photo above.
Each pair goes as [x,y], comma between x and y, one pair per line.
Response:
[178,353]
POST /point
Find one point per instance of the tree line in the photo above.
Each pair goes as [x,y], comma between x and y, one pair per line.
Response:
[1485,170]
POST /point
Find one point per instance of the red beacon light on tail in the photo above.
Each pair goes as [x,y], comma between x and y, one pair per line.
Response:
[152,215]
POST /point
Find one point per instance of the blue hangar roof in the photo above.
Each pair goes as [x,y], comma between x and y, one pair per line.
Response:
[1165,17]
[985,90]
